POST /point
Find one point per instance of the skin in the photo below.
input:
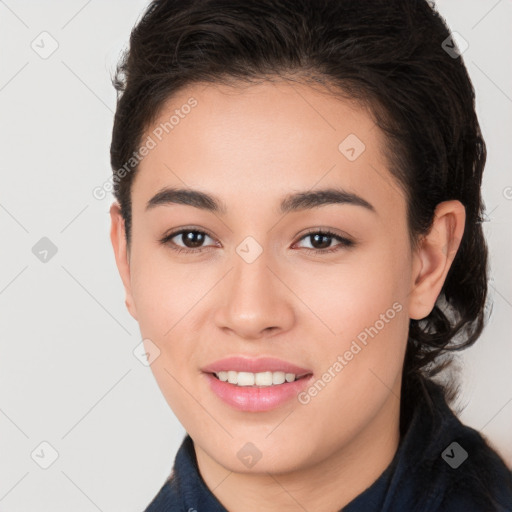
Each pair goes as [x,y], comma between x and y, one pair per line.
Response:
[250,146]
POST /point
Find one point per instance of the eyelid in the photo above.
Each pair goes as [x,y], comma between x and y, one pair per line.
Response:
[325,230]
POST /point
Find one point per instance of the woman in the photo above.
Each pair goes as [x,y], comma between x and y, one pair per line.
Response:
[297,227]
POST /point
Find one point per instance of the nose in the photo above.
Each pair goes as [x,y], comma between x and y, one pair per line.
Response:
[254,302]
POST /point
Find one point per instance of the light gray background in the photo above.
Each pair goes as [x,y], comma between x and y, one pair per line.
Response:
[68,375]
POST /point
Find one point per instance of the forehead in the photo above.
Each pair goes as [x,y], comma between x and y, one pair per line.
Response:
[247,141]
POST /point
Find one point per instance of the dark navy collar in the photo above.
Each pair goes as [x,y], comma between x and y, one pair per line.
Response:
[422,476]
[185,490]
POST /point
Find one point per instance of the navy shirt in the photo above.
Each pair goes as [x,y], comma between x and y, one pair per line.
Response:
[441,465]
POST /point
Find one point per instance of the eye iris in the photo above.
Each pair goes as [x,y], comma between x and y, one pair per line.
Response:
[193,238]
[326,240]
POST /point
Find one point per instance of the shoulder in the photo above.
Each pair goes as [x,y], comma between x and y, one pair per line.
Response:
[476,478]
[482,482]
[450,466]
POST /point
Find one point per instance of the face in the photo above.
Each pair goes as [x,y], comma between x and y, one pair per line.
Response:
[258,277]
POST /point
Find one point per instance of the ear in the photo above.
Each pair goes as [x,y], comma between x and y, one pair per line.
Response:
[434,256]
[121,252]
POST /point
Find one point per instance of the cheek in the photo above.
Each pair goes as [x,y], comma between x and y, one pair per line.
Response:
[361,364]
[353,293]
[164,292]
[364,321]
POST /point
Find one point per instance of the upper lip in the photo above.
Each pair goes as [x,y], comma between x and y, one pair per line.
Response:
[262,364]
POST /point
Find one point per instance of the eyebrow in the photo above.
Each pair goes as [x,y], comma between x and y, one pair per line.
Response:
[290,203]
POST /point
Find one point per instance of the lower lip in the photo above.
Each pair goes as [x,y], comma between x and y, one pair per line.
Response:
[256,399]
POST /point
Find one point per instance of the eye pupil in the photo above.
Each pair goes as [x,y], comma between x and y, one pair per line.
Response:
[326,239]
[193,238]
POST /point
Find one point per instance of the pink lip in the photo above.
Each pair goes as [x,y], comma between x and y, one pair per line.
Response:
[243,364]
[256,398]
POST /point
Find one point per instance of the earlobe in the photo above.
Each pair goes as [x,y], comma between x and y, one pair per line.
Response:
[433,258]
[121,253]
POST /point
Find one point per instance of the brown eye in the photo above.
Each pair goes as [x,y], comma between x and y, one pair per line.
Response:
[321,241]
[192,240]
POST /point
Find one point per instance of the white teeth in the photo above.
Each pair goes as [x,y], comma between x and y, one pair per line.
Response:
[245,379]
[280,377]
[263,379]
[258,379]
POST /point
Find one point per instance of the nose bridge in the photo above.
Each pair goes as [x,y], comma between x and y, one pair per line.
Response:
[253,301]
[251,260]
[251,281]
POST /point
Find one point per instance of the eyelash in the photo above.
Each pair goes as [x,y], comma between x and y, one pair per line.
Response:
[345,242]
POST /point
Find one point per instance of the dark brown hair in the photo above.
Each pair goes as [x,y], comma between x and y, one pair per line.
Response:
[391,57]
